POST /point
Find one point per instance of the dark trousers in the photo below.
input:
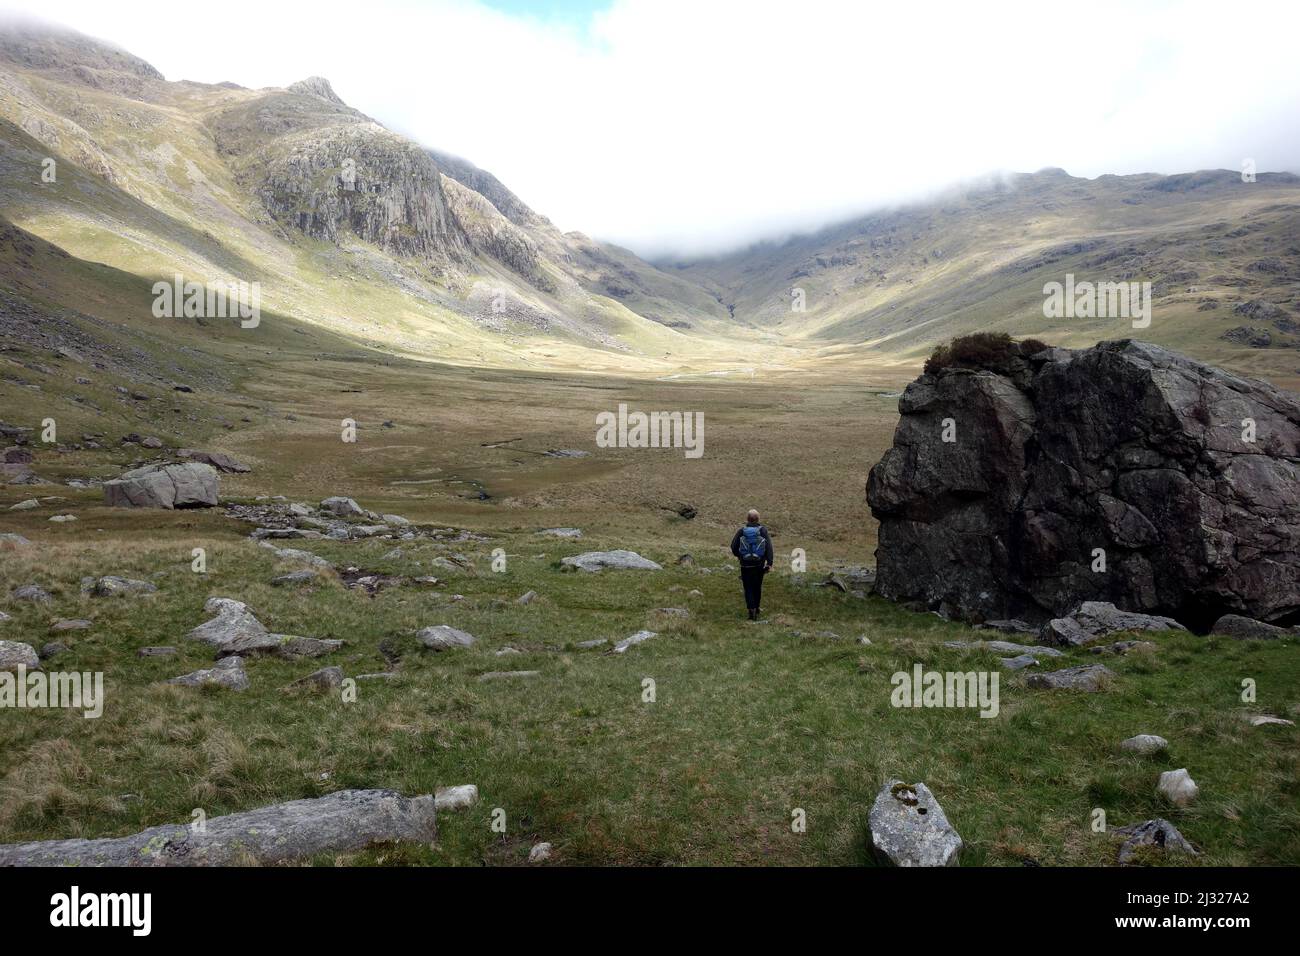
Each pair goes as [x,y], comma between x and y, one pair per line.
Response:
[752,579]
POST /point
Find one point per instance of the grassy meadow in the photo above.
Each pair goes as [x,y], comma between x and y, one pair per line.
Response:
[749,722]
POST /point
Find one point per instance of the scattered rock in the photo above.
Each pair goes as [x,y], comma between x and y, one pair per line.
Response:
[908,827]
[14,653]
[110,585]
[62,519]
[679,612]
[528,597]
[343,507]
[1089,678]
[540,853]
[341,822]
[441,637]
[632,641]
[593,561]
[27,505]
[304,576]
[52,649]
[321,681]
[456,798]
[218,460]
[1157,833]
[1247,628]
[152,442]
[1264,720]
[13,542]
[156,652]
[1120,648]
[31,592]
[233,622]
[296,555]
[1018,663]
[1178,787]
[1094,620]
[189,485]
[227,672]
[562,532]
[587,645]
[1010,626]
[72,624]
[1145,744]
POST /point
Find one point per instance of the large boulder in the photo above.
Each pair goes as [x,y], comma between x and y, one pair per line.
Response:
[1124,447]
[188,485]
[341,822]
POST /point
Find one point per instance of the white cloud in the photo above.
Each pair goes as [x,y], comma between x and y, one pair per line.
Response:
[692,125]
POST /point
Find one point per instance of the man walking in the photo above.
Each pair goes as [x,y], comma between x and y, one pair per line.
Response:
[752,545]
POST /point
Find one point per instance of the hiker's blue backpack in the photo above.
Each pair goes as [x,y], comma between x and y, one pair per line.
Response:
[753,546]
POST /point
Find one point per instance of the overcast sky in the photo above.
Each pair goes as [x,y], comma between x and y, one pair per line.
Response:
[685,126]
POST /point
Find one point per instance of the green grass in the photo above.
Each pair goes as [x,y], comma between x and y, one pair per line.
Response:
[750,721]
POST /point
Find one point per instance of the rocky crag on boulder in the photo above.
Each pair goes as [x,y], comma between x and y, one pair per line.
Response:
[1053,453]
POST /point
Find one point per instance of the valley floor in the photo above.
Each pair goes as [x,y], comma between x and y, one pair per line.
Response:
[750,722]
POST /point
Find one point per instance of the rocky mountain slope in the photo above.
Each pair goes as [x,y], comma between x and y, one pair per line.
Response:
[343,223]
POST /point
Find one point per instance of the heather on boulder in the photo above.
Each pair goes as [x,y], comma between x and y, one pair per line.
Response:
[1119,473]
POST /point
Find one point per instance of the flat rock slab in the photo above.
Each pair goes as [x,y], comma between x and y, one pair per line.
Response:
[15,653]
[111,585]
[342,822]
[227,672]
[1095,620]
[1018,663]
[75,624]
[635,639]
[1088,678]
[190,485]
[593,561]
[290,647]
[1264,720]
[441,637]
[908,827]
[1157,833]
[296,555]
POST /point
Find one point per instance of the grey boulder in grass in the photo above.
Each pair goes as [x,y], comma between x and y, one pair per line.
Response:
[909,828]
[188,485]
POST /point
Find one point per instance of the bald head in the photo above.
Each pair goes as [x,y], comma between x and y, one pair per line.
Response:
[752,517]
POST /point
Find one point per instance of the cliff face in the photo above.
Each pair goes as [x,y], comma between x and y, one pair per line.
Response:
[362,178]
[1122,473]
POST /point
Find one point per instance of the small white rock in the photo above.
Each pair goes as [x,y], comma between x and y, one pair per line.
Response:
[540,853]
[1178,787]
[455,798]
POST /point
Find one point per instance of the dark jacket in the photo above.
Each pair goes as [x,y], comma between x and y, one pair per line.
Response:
[767,558]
